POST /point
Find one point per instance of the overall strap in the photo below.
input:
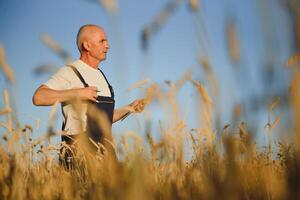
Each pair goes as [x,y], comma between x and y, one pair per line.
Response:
[104,76]
[79,75]
[110,87]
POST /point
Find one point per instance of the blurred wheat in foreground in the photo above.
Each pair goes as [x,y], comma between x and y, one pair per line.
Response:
[229,167]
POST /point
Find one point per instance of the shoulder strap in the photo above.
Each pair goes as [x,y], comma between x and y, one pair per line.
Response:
[78,75]
[104,76]
[110,87]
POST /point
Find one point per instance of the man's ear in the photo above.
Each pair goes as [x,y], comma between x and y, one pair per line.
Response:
[86,45]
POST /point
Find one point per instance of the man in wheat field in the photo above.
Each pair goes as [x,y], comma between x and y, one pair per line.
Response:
[83,80]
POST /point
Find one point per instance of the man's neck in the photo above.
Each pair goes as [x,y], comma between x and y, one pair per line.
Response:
[92,62]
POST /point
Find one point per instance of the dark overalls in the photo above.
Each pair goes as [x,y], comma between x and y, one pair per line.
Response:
[94,131]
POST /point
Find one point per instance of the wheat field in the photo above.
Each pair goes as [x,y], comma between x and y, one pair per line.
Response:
[229,166]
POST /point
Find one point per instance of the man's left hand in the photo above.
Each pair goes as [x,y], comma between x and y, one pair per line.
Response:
[137,106]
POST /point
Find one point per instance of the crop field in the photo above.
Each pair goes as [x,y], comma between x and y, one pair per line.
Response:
[227,167]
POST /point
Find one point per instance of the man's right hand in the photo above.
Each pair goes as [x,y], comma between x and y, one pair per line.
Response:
[88,93]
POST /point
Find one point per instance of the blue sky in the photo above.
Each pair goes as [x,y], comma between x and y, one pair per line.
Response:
[172,51]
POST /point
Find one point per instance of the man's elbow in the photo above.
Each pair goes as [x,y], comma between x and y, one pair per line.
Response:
[36,99]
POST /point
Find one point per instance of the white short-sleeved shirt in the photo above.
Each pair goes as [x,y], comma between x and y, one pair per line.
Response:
[64,79]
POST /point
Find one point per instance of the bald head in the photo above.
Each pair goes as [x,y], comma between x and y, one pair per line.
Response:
[86,33]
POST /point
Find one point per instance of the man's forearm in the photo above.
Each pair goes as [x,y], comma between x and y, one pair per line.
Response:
[136,106]
[119,113]
[45,96]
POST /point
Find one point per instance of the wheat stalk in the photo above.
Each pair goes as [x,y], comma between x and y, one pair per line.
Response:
[7,70]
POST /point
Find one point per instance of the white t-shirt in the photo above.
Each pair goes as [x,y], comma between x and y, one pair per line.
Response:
[65,79]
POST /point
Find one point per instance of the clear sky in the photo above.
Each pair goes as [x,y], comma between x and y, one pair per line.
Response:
[264,31]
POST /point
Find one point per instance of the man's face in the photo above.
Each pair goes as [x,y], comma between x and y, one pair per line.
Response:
[98,44]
